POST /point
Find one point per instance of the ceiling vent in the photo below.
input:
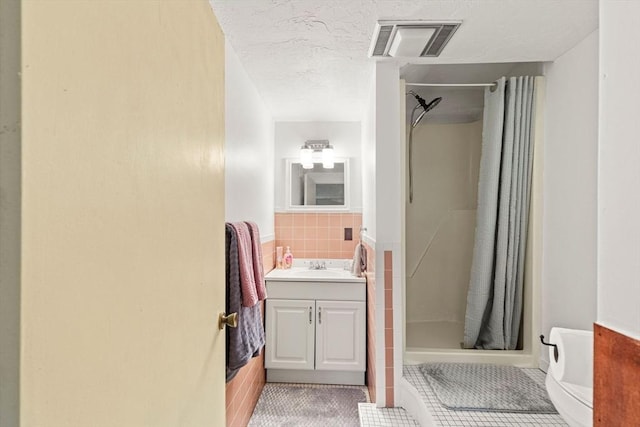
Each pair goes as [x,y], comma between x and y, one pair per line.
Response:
[411,38]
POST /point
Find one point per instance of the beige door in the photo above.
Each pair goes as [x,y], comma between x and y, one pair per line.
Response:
[123,214]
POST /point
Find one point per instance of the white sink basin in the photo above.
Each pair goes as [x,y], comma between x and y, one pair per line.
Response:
[298,274]
[319,273]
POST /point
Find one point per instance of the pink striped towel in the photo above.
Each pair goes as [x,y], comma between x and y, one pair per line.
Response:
[258,268]
[245,259]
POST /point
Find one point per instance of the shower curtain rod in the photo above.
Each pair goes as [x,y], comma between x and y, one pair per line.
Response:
[452,84]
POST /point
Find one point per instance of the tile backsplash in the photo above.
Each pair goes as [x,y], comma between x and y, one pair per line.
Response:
[318,235]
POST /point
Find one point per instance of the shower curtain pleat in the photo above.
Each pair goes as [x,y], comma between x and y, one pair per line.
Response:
[494,300]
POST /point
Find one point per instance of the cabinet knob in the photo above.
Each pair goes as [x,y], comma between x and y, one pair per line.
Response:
[230,320]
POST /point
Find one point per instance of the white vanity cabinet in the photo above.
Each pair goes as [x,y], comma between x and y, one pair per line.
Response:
[316,332]
[290,334]
[340,336]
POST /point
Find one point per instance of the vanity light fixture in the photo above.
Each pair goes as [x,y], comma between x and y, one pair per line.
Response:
[306,157]
[316,151]
[327,157]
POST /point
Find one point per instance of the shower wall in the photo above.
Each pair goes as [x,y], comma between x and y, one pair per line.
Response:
[440,225]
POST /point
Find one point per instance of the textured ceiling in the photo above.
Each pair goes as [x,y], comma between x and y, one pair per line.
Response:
[308,58]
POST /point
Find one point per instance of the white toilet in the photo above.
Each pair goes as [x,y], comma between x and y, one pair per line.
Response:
[569,380]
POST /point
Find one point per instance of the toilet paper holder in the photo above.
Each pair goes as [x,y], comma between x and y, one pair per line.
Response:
[548,344]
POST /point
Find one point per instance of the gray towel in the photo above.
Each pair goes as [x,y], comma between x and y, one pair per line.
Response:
[359,264]
[245,341]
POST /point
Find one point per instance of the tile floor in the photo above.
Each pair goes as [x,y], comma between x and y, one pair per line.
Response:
[371,416]
[448,418]
[278,407]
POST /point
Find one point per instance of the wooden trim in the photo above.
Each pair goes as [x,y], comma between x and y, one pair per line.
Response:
[616,389]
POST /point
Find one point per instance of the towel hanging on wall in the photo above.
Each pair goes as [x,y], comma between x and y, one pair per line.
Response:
[245,341]
[359,264]
[258,267]
[248,265]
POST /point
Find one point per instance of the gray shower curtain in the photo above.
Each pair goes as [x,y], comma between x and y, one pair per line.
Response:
[494,300]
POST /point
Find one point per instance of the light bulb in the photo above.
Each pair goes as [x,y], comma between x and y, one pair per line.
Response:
[306,157]
[327,157]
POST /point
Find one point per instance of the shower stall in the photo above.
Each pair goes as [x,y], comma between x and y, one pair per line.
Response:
[443,150]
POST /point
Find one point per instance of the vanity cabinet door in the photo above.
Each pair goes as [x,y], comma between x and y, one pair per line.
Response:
[290,332]
[340,335]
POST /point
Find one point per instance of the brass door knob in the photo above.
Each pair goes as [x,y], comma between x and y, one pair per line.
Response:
[230,320]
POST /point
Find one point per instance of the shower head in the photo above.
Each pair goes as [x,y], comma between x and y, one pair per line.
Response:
[431,105]
[425,107]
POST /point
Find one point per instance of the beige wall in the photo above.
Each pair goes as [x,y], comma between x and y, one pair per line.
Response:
[123,211]
[9,212]
[441,220]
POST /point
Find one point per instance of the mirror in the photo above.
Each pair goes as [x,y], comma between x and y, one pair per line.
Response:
[318,188]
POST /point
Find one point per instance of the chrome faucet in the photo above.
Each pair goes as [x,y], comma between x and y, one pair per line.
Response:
[315,265]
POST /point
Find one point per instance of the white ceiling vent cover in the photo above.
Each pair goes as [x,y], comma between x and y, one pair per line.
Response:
[411,38]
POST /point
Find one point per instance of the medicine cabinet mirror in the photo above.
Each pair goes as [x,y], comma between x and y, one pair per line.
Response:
[317,189]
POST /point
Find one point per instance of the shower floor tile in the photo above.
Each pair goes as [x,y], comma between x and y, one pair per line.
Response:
[445,417]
